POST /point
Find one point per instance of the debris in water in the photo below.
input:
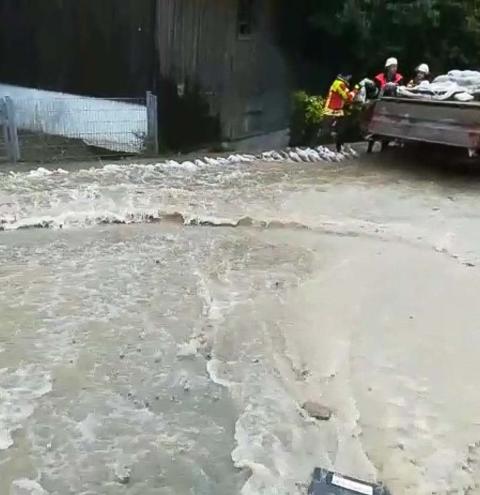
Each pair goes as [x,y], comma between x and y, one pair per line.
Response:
[329,483]
[188,349]
[26,487]
[317,411]
[123,474]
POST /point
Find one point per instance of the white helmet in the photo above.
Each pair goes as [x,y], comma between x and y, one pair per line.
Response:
[423,68]
[391,61]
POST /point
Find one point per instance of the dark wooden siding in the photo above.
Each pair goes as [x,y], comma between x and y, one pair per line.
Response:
[100,48]
[242,78]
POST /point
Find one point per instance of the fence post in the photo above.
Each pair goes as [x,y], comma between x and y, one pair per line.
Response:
[3,122]
[10,130]
[152,120]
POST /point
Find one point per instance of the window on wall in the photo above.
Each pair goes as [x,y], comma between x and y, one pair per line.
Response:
[246,18]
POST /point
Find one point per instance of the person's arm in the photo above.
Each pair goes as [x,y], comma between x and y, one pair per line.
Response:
[342,89]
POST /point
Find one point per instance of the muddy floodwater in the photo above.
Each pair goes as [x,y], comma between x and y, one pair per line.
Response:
[161,327]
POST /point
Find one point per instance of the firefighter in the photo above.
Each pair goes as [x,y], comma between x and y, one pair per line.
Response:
[339,95]
[422,73]
[387,83]
[388,80]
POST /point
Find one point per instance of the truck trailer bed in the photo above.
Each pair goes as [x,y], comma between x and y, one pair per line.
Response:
[447,123]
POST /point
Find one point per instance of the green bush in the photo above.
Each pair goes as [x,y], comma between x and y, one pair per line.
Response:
[307,121]
[307,117]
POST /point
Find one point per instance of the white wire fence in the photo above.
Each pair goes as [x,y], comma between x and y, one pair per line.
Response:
[56,126]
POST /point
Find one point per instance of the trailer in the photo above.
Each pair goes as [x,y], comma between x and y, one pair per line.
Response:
[448,123]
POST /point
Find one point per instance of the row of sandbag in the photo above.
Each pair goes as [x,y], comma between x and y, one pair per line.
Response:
[298,155]
[457,85]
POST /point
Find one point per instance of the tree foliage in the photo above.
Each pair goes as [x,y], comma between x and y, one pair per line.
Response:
[358,35]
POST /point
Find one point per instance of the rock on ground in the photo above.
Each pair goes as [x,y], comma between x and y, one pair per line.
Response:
[317,411]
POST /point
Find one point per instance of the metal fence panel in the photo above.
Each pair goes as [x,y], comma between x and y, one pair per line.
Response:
[12,136]
[56,126]
[3,132]
[152,118]
[119,126]
[9,146]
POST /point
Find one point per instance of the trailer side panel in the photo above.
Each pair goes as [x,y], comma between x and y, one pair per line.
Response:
[447,123]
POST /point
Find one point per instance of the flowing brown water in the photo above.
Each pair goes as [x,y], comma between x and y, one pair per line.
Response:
[160,333]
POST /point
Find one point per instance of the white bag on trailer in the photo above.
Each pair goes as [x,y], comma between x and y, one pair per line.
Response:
[458,85]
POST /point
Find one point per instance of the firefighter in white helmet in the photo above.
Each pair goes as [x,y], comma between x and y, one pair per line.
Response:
[390,78]
[422,73]
[387,83]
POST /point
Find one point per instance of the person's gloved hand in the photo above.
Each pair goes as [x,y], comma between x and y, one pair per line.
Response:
[366,82]
[367,90]
[390,89]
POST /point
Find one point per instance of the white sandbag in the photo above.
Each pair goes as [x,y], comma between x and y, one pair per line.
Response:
[463,74]
[441,79]
[464,97]
[456,85]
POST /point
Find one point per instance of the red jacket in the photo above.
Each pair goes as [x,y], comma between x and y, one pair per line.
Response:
[338,95]
[381,79]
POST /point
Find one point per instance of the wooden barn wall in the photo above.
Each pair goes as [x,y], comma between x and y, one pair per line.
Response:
[100,48]
[243,81]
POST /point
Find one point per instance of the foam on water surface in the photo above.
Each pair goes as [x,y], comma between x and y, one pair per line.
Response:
[26,487]
[167,358]
[19,394]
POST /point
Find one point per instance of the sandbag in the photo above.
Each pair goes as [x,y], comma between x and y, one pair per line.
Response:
[457,85]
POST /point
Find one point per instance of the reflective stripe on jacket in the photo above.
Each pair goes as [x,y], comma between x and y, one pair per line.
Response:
[338,95]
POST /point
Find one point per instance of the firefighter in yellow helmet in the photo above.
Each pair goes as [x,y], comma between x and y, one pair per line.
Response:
[339,95]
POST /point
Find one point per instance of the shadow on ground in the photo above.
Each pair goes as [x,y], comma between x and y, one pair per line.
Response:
[436,163]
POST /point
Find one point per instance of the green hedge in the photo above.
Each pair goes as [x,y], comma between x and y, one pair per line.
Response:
[307,120]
